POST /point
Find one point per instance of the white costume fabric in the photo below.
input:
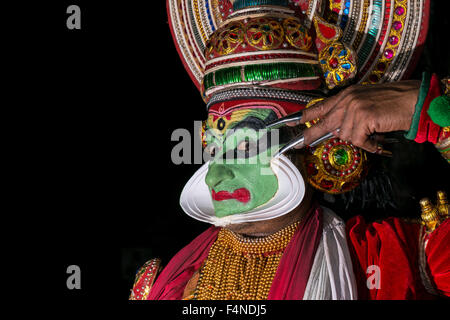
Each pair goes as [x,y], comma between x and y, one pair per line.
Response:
[332,276]
[196,202]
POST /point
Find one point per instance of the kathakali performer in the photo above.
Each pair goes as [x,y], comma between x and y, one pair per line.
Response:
[344,65]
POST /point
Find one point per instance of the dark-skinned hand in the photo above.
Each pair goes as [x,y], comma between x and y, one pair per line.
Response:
[361,112]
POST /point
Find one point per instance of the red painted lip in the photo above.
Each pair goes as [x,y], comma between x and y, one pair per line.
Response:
[241,195]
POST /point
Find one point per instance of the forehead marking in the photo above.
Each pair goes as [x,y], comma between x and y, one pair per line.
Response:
[249,105]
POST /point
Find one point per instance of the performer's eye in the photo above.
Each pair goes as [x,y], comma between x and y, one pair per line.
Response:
[211,149]
[244,146]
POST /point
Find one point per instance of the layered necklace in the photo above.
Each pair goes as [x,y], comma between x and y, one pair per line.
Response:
[241,268]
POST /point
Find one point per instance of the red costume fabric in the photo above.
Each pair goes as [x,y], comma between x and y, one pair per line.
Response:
[289,282]
[428,130]
[393,246]
[438,258]
[171,282]
[292,274]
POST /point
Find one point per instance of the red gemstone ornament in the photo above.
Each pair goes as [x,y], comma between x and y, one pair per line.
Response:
[399,11]
[326,31]
[397,25]
[393,40]
[334,63]
[389,53]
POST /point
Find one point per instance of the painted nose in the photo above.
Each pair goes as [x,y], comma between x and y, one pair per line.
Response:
[218,173]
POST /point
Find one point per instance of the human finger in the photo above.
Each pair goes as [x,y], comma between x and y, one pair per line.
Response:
[326,125]
[320,109]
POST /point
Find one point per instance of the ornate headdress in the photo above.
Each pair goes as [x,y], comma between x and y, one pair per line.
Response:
[290,52]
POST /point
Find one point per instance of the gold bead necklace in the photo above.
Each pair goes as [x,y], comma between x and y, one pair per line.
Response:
[240,268]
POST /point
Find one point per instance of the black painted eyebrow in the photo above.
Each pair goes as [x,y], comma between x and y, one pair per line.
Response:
[250,122]
[257,124]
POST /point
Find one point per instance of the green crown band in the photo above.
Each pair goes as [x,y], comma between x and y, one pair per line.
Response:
[259,72]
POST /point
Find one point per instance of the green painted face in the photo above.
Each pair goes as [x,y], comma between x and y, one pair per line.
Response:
[240,177]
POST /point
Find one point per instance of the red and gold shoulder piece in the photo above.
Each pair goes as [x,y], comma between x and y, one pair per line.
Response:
[144,280]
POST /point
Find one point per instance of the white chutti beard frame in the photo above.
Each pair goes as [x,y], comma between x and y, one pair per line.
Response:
[197,203]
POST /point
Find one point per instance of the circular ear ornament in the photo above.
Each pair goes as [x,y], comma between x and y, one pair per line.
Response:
[334,166]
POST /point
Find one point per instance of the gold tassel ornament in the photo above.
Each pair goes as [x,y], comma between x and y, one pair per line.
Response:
[433,215]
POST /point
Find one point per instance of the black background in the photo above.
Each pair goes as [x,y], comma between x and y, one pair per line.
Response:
[99,109]
[96,108]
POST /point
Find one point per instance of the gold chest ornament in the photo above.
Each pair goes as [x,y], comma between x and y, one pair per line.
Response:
[239,268]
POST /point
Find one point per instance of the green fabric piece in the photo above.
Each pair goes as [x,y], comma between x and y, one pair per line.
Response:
[424,87]
[439,111]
